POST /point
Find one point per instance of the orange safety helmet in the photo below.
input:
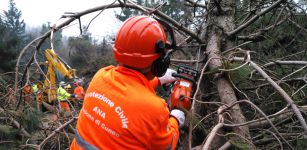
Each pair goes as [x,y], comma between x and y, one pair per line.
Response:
[136,42]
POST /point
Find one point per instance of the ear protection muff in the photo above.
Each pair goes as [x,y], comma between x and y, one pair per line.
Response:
[160,65]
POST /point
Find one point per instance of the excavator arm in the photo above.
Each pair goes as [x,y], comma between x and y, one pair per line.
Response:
[56,65]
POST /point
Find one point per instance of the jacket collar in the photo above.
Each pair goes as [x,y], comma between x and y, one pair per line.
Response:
[136,74]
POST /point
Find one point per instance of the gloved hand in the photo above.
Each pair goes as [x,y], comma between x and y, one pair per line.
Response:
[73,96]
[168,78]
[179,115]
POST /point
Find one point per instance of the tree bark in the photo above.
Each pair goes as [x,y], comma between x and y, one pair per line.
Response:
[220,20]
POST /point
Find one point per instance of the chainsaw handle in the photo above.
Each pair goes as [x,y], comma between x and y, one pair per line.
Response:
[176,75]
[194,85]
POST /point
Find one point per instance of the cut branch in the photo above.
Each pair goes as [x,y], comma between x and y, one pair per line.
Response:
[283,94]
[55,132]
[18,125]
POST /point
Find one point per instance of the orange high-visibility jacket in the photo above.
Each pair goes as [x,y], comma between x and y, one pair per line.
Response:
[122,111]
[80,92]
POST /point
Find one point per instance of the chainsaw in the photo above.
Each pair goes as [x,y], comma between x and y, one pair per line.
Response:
[183,89]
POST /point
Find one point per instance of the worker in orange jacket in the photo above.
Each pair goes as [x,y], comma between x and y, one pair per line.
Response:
[27,93]
[121,110]
[79,91]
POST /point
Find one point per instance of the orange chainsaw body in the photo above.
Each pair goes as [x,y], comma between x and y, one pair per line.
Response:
[183,89]
[181,93]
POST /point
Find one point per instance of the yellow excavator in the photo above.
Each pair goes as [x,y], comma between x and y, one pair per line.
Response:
[57,70]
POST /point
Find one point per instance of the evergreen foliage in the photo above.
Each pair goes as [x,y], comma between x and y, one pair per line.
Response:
[126,13]
[31,119]
[12,19]
[12,29]
[240,75]
[88,55]
[57,38]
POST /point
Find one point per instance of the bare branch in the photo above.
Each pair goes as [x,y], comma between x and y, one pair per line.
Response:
[289,62]
[263,114]
[216,128]
[195,4]
[56,131]
[226,146]
[19,126]
[253,19]
[297,25]
[283,94]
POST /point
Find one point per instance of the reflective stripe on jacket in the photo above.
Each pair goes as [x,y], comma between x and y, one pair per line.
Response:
[62,94]
[122,111]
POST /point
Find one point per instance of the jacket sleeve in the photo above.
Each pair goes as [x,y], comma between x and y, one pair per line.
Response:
[67,95]
[166,136]
[64,93]
[154,82]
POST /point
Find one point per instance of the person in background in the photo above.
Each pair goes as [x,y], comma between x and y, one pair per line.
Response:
[79,91]
[27,93]
[38,94]
[121,109]
[63,97]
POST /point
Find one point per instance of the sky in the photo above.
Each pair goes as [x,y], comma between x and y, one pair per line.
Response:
[37,12]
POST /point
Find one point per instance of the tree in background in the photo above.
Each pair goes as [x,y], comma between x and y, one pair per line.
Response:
[88,55]
[126,13]
[12,30]
[57,38]
[13,20]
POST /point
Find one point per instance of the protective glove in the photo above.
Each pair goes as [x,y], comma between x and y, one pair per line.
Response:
[168,78]
[179,115]
[73,96]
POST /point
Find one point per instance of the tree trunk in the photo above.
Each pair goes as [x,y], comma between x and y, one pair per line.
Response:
[220,19]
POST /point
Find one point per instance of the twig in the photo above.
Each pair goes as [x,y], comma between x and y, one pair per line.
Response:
[216,128]
[226,146]
[212,135]
[297,25]
[264,115]
[196,4]
[233,48]
[253,19]
[18,125]
[281,147]
[186,61]
[286,97]
[55,132]
[98,14]
[289,62]
[193,103]
[203,119]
